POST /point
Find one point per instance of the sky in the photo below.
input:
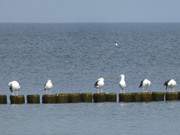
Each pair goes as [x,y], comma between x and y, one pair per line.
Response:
[60,11]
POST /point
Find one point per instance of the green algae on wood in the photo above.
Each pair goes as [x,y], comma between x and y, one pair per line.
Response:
[19,99]
[146,96]
[3,99]
[170,96]
[33,99]
[126,97]
[158,96]
[74,97]
[137,97]
[63,98]
[49,99]
[87,97]
[99,97]
[111,97]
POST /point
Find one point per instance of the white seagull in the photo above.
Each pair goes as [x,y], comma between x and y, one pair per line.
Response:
[48,85]
[170,84]
[145,84]
[122,83]
[116,44]
[99,84]
[14,87]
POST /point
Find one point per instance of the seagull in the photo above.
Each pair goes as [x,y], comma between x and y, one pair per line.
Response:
[99,84]
[170,84]
[14,87]
[122,83]
[145,84]
[48,85]
[116,44]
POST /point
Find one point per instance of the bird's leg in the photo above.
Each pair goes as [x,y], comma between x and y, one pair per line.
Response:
[147,89]
[15,93]
[46,92]
[166,89]
[169,89]
[101,90]
[123,90]
[98,90]
[144,89]
[173,89]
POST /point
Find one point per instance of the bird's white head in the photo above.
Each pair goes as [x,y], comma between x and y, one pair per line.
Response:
[122,76]
[10,83]
[49,81]
[15,85]
[13,82]
[101,79]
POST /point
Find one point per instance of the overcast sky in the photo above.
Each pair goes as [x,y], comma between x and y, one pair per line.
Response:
[89,10]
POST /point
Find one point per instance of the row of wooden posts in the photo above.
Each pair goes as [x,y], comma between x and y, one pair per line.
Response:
[91,97]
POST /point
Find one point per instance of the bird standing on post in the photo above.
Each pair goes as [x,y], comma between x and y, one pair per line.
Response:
[145,84]
[14,87]
[48,85]
[170,84]
[99,84]
[122,83]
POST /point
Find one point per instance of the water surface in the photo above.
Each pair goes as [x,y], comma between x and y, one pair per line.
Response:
[74,56]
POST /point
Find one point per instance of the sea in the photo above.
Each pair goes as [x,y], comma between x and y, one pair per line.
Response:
[74,56]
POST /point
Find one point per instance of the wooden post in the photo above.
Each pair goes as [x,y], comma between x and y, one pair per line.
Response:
[137,97]
[3,99]
[99,97]
[33,99]
[146,96]
[126,97]
[20,99]
[87,97]
[74,97]
[158,96]
[170,96]
[49,99]
[63,98]
[111,97]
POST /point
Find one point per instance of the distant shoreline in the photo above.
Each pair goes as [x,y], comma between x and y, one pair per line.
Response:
[89,22]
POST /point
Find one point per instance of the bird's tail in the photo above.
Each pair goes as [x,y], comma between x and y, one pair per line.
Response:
[141,83]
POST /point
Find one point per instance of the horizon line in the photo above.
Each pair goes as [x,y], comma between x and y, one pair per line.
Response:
[81,22]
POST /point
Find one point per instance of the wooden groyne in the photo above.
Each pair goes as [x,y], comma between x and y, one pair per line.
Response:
[33,99]
[3,99]
[90,97]
[20,99]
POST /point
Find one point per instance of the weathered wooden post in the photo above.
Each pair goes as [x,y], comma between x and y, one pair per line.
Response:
[49,99]
[158,96]
[146,96]
[170,96]
[3,99]
[111,97]
[19,99]
[63,98]
[74,97]
[99,97]
[87,97]
[137,97]
[33,99]
[126,97]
